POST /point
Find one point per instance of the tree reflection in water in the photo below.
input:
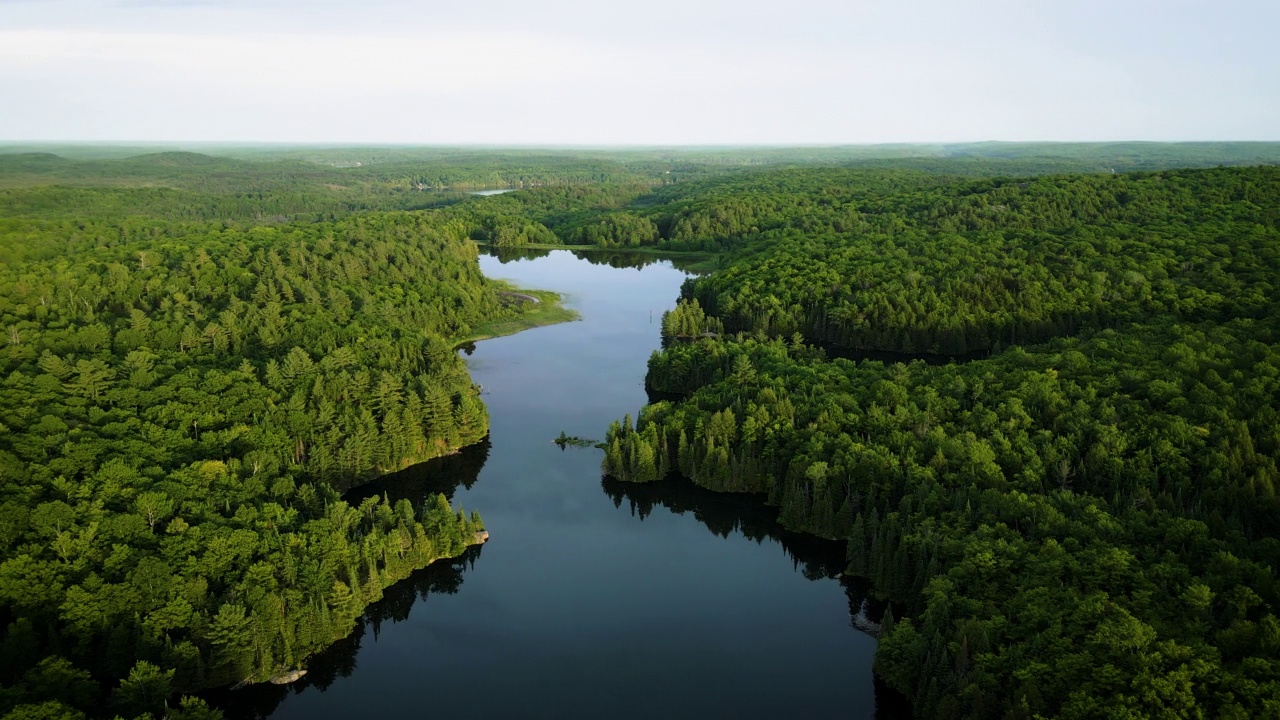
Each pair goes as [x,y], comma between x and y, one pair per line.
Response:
[747,515]
[441,475]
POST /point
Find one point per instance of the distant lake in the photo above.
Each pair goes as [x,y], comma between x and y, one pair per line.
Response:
[594,598]
[491,192]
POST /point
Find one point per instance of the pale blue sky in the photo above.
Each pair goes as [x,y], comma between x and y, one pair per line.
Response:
[653,72]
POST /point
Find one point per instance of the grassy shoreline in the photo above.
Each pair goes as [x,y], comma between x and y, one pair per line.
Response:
[549,310]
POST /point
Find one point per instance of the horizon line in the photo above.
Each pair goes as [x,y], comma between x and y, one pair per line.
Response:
[535,145]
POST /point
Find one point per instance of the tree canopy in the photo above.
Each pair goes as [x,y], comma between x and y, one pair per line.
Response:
[183,403]
[1082,524]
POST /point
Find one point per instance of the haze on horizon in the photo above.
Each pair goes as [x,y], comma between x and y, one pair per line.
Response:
[667,72]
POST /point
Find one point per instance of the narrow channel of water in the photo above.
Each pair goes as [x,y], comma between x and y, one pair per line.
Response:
[593,598]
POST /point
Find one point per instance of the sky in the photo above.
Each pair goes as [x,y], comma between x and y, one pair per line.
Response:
[658,72]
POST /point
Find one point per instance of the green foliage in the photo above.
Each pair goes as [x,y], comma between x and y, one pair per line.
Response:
[144,691]
[200,353]
[688,321]
[620,229]
[916,263]
[1084,527]
[183,404]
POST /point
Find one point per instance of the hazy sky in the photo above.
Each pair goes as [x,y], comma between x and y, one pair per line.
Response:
[652,72]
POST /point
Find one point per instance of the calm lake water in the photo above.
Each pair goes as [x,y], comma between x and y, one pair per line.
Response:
[593,598]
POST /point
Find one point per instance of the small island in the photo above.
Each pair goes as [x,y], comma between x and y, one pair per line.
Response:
[567,441]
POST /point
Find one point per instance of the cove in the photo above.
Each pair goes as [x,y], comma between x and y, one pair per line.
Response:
[594,598]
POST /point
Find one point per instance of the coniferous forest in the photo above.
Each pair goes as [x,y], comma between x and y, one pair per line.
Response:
[1033,389]
[1064,478]
[183,402]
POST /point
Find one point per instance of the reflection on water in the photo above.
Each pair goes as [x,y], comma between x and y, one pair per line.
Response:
[641,601]
[621,259]
[508,254]
[443,577]
[722,515]
[415,484]
[418,482]
[727,515]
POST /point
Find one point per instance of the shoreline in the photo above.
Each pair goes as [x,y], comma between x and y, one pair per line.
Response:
[288,676]
[700,261]
[547,309]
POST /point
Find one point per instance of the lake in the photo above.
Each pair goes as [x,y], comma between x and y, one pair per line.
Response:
[594,598]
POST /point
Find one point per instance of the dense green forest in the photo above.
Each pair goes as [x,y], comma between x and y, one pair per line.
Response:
[204,352]
[1083,522]
[183,401]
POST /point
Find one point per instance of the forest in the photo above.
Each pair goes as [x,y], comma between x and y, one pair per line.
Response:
[183,403]
[1060,476]
[1077,516]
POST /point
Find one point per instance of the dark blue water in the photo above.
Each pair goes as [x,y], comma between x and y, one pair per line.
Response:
[594,598]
